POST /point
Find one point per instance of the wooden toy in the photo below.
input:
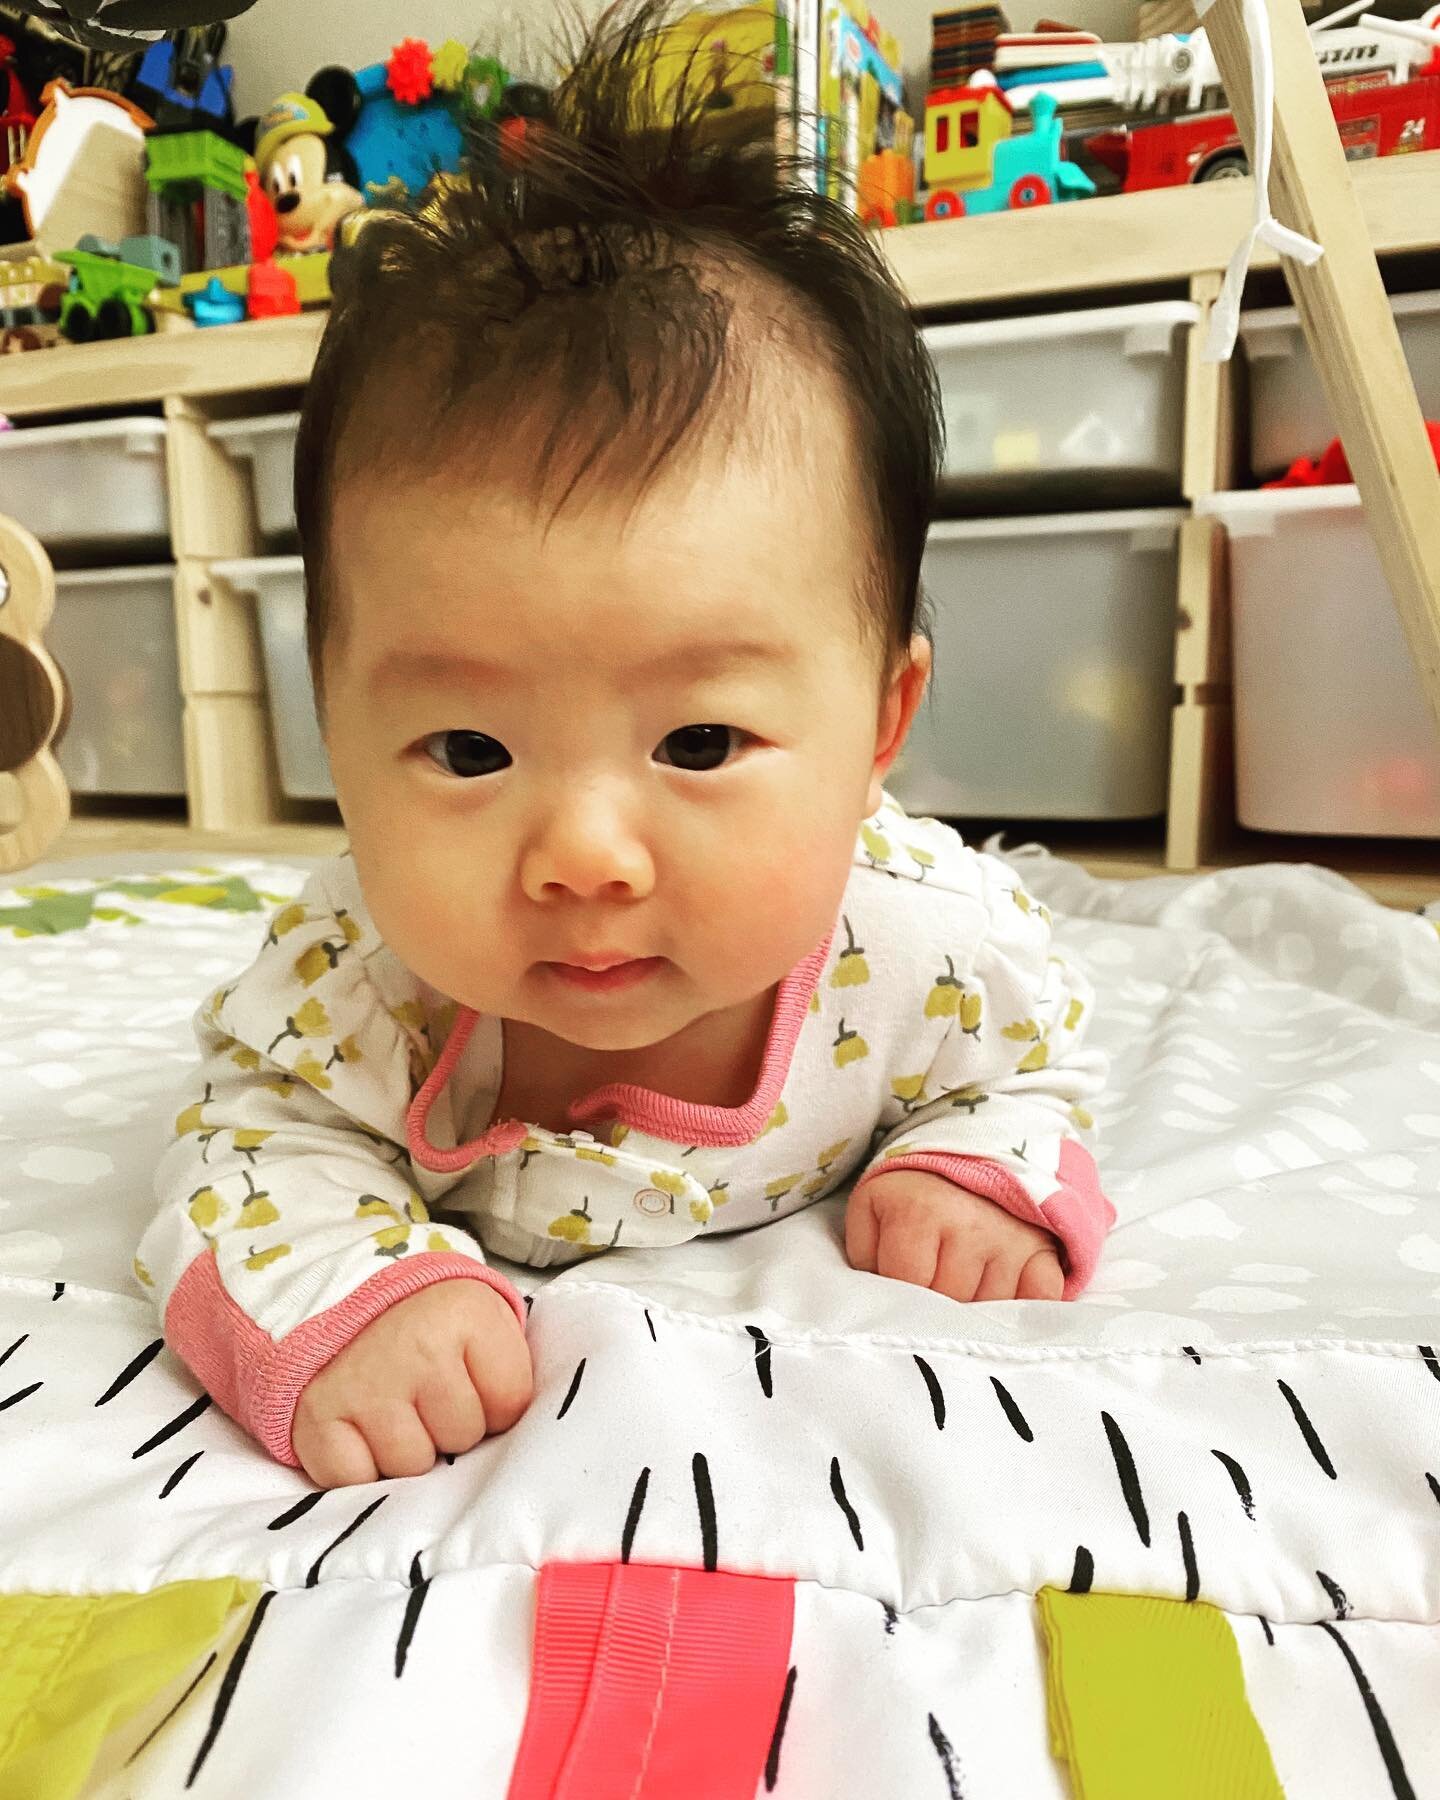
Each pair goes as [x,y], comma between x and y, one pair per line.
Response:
[84,167]
[34,704]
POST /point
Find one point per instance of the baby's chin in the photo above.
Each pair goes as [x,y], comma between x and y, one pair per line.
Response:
[609,1028]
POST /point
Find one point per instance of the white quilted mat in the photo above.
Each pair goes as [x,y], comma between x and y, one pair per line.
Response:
[1246,1407]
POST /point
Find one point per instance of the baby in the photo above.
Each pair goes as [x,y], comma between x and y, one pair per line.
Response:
[613,484]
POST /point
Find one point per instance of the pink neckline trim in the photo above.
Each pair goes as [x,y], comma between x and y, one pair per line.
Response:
[658,1115]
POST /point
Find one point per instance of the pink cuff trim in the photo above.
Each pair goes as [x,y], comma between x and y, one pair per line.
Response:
[657,1115]
[257,1379]
[1077,1213]
[653,1684]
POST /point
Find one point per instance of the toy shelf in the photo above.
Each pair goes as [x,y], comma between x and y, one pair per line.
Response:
[177,362]
[1057,257]
[1046,259]
[1167,235]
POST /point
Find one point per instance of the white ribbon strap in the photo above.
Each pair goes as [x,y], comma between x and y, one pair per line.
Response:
[1266,229]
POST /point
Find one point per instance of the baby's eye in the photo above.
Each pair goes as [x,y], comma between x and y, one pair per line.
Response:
[699,747]
[467,753]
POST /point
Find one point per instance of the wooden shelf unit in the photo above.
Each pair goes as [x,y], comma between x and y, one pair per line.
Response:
[1049,259]
[1131,245]
[1164,236]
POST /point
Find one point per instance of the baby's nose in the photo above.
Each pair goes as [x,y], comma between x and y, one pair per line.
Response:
[586,849]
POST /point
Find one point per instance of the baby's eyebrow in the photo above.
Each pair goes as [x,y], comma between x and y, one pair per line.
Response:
[419,668]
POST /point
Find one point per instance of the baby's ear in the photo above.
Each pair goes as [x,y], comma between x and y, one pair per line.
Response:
[900,699]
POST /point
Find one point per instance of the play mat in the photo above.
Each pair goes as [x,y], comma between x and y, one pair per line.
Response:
[772,1526]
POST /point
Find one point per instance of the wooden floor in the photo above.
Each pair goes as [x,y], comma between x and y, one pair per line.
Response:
[86,837]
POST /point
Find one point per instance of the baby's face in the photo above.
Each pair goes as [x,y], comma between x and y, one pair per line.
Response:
[603,773]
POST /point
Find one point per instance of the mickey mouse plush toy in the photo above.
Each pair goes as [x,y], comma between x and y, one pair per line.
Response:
[306,169]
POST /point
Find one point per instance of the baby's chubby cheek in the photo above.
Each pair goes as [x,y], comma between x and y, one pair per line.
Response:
[757,921]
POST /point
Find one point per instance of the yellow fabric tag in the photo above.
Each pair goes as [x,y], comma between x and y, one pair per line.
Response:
[73,1667]
[1147,1697]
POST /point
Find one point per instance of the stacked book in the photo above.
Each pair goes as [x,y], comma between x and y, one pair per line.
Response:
[963,42]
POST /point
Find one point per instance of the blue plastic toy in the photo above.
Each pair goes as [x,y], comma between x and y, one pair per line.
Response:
[214,304]
[408,144]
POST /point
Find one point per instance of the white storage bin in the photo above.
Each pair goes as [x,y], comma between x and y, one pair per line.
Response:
[278,585]
[113,633]
[1080,403]
[95,484]
[268,446]
[1332,733]
[1054,669]
[1289,416]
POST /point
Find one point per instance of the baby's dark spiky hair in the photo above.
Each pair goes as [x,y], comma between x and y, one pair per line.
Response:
[587,304]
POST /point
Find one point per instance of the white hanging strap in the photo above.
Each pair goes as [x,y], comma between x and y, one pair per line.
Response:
[1266,229]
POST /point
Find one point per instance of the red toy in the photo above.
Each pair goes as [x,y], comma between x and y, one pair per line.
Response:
[1381,119]
[264,220]
[1333,468]
[408,73]
[18,118]
[272,292]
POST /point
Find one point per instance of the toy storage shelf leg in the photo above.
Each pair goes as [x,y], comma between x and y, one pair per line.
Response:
[229,765]
[1347,321]
[230,774]
[1208,456]
[1202,809]
[1202,802]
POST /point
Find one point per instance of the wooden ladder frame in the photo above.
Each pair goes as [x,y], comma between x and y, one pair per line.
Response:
[1346,318]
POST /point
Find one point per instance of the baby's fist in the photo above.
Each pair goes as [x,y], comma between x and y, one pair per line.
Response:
[439,1370]
[921,1228]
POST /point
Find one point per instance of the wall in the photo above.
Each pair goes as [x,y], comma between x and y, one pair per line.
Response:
[279,44]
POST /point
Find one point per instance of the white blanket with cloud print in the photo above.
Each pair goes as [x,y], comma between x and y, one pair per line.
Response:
[1244,1407]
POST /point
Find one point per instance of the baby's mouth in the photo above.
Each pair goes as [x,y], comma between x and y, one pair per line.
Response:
[603,974]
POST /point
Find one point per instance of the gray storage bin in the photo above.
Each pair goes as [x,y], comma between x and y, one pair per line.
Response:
[1332,733]
[113,633]
[1054,669]
[1289,417]
[278,586]
[1064,407]
[267,446]
[97,484]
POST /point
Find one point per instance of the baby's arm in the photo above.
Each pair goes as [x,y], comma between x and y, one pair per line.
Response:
[288,1227]
[985,1189]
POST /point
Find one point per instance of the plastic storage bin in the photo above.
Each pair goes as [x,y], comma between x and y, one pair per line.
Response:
[1081,405]
[1054,669]
[1332,734]
[278,585]
[268,446]
[94,485]
[113,633]
[1289,416]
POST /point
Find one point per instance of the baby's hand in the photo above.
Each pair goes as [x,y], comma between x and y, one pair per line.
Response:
[921,1228]
[439,1370]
